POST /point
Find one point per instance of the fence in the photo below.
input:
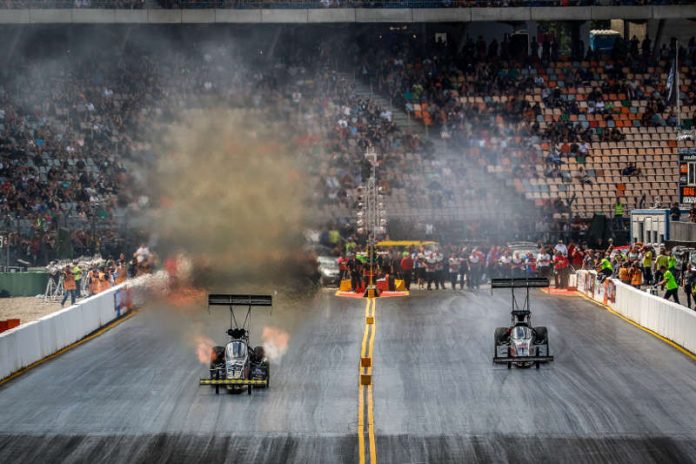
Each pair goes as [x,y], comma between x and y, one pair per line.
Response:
[668,319]
[682,231]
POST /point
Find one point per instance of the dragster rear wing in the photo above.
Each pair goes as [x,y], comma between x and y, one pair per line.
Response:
[520,282]
[227,299]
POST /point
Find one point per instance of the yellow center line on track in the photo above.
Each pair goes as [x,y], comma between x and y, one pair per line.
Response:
[366,351]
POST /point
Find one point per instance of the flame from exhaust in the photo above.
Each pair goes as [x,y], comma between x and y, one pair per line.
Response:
[204,349]
[275,342]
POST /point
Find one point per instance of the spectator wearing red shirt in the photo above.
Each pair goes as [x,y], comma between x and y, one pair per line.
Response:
[343,267]
[560,264]
[407,269]
[576,257]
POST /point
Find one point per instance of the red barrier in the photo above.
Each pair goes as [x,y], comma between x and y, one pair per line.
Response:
[8,324]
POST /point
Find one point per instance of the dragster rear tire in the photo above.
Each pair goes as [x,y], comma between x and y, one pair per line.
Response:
[498,338]
[541,335]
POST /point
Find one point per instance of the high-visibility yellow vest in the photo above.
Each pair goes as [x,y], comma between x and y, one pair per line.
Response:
[606,264]
[77,272]
[618,209]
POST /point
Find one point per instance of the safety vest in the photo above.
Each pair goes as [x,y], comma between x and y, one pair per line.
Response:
[671,262]
[647,259]
[606,264]
[69,282]
[671,283]
[618,209]
[77,273]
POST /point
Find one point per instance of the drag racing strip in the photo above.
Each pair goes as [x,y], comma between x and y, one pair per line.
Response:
[366,418]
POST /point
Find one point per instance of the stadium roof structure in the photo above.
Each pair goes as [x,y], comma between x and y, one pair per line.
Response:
[340,15]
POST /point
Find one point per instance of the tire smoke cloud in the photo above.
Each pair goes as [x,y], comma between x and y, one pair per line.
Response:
[232,196]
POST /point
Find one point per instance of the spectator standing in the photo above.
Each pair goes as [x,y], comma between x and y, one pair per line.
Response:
[440,270]
[689,285]
[605,267]
[670,283]
[675,212]
[463,269]
[475,267]
[431,270]
[343,267]
[560,263]
[454,266]
[692,213]
[636,276]
[544,263]
[625,274]
[407,269]
[69,285]
[661,261]
[576,257]
[618,214]
[647,264]
[77,274]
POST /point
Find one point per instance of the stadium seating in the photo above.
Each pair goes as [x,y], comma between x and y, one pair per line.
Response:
[589,106]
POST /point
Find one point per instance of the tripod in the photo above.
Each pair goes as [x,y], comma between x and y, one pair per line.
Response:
[54,288]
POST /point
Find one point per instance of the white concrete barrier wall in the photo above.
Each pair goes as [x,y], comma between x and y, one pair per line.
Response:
[36,340]
[666,318]
[671,320]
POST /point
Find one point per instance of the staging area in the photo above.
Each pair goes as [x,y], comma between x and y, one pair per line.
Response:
[613,393]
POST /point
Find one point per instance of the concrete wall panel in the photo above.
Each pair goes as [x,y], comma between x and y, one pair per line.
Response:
[441,15]
[675,12]
[619,12]
[237,16]
[92,16]
[130,16]
[50,16]
[333,15]
[559,14]
[500,14]
[284,16]
[198,16]
[164,16]
[383,15]
[14,16]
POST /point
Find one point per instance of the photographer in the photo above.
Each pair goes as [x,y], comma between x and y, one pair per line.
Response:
[70,286]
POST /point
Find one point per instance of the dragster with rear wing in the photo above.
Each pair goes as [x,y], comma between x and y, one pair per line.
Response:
[521,344]
[236,365]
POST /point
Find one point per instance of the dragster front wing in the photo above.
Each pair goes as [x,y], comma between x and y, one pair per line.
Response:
[508,359]
[232,382]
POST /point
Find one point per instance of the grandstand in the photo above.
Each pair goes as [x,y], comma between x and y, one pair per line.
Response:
[560,110]
[468,131]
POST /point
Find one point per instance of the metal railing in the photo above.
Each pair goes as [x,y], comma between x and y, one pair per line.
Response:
[682,231]
[311,4]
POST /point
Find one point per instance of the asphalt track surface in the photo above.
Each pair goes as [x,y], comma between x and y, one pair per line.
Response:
[613,394]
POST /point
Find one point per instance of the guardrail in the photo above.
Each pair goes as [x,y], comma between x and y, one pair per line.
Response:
[666,318]
[31,342]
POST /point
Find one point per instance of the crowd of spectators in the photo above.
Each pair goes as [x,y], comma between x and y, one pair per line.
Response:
[436,267]
[480,97]
[78,135]
[76,141]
